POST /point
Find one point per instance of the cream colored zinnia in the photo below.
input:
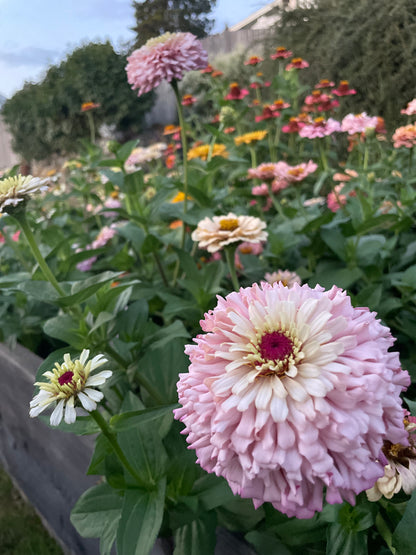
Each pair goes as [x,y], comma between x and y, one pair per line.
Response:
[15,189]
[215,233]
[68,384]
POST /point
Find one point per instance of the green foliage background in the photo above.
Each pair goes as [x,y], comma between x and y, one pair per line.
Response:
[156,17]
[46,118]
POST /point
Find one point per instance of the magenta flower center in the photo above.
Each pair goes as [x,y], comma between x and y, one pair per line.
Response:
[275,346]
[65,378]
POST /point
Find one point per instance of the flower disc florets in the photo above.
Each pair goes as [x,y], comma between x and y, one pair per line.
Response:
[68,382]
[215,233]
[166,57]
[291,392]
[15,189]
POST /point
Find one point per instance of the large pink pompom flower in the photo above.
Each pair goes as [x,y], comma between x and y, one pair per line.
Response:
[291,392]
[166,57]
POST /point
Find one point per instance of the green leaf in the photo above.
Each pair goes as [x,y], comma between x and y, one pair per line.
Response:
[127,420]
[335,240]
[134,234]
[151,244]
[142,445]
[141,518]
[13,280]
[266,543]
[102,449]
[39,290]
[404,538]
[96,515]
[197,537]
[65,328]
[342,277]
[124,151]
[82,290]
[344,542]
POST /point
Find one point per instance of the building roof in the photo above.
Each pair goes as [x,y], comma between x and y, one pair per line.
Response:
[260,18]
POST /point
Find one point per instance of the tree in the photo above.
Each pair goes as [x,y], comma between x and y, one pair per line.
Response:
[156,17]
[373,45]
[46,118]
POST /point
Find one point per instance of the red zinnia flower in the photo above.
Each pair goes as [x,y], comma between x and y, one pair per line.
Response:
[344,89]
[297,63]
[236,93]
[281,52]
[253,61]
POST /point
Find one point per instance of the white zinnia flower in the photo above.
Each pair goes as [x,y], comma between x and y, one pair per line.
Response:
[15,189]
[68,382]
[215,233]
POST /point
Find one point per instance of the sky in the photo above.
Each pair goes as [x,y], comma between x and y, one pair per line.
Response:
[37,33]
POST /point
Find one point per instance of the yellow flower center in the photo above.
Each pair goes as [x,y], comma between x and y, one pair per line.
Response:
[228,224]
[160,40]
[296,171]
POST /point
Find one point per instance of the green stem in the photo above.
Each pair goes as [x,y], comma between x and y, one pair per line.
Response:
[365,159]
[21,219]
[323,156]
[175,88]
[160,268]
[229,256]
[112,438]
[92,126]
[253,157]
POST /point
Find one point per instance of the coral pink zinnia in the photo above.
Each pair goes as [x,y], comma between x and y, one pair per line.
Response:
[291,392]
[166,57]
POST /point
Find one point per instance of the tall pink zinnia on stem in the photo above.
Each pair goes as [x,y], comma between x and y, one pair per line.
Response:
[166,57]
[291,392]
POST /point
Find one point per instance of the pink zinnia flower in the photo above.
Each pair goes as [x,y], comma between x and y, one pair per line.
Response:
[358,123]
[253,61]
[236,93]
[166,57]
[294,125]
[103,237]
[297,63]
[296,173]
[410,109]
[405,136]
[320,128]
[287,278]
[343,89]
[280,104]
[291,392]
[250,248]
[267,170]
[324,84]
[335,199]
[268,113]
[281,53]
[260,190]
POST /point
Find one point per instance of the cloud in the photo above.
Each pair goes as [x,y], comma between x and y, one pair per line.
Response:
[28,56]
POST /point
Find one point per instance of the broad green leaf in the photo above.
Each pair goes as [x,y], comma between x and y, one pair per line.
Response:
[134,234]
[341,541]
[197,537]
[404,536]
[266,543]
[127,420]
[96,515]
[82,290]
[39,290]
[141,518]
[65,328]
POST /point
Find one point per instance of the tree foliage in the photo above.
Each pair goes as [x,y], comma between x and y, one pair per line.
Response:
[155,17]
[373,45]
[46,118]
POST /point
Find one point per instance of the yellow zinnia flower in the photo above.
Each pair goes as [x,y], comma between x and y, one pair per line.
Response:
[203,151]
[248,138]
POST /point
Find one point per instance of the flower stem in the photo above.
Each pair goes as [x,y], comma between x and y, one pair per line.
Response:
[92,126]
[112,438]
[229,256]
[21,219]
[175,88]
